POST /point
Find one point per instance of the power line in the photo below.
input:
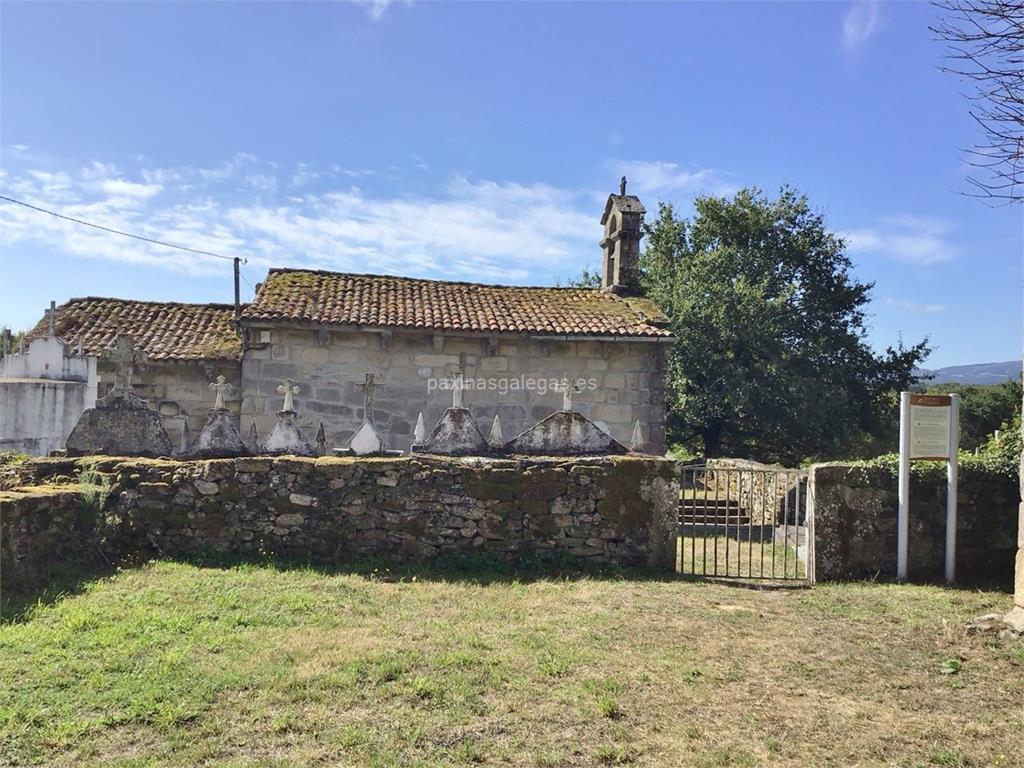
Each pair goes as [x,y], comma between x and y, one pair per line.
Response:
[117,231]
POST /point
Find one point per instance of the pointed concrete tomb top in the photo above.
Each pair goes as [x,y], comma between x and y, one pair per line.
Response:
[565,433]
[636,442]
[219,436]
[456,434]
[495,438]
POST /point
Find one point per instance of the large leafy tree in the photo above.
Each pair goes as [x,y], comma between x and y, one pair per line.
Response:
[772,360]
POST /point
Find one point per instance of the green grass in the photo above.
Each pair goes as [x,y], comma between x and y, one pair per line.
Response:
[727,557]
[178,665]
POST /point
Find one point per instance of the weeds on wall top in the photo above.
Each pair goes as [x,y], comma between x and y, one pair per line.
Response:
[1002,462]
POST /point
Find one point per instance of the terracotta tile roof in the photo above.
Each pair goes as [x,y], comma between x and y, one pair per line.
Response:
[163,330]
[332,298]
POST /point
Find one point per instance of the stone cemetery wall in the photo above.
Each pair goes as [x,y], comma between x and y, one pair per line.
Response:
[331,510]
[327,366]
[855,512]
[179,391]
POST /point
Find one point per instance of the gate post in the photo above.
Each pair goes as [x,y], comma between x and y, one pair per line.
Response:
[812,550]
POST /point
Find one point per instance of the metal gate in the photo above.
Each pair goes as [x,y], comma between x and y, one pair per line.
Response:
[745,523]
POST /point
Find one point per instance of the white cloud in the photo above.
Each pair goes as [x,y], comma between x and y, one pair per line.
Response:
[917,240]
[464,229]
[120,187]
[51,181]
[377,8]
[96,171]
[660,177]
[263,182]
[913,306]
[859,23]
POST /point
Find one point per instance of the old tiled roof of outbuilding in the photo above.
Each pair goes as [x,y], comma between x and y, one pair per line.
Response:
[333,298]
[163,330]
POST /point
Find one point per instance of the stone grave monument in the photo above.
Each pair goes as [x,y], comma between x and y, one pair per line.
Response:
[456,434]
[121,424]
[219,436]
[366,441]
[286,437]
[564,433]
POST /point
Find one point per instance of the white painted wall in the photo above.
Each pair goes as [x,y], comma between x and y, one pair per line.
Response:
[42,395]
[48,358]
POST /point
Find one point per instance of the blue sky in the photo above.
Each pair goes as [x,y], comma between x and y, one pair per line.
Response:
[476,141]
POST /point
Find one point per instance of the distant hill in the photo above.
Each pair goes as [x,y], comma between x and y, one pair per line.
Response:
[978,373]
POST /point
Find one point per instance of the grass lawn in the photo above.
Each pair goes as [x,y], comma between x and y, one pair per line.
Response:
[729,557]
[173,664]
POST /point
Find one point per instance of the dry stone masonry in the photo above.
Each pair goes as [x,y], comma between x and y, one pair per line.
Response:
[335,510]
[855,507]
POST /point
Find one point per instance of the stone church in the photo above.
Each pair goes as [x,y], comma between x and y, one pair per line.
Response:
[513,348]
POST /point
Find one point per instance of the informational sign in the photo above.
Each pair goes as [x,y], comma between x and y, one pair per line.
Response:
[929,427]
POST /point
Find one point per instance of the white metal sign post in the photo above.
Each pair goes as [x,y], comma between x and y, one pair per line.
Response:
[929,431]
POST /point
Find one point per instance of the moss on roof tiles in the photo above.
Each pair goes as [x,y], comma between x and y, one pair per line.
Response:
[333,298]
[163,330]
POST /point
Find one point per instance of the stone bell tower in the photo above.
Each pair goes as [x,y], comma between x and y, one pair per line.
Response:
[622,220]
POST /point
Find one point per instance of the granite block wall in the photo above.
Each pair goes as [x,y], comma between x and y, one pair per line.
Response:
[855,515]
[334,510]
[625,381]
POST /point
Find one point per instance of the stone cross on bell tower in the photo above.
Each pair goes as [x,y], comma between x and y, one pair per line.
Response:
[623,227]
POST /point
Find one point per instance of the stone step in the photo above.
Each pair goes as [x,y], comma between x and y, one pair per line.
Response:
[708,504]
[714,520]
